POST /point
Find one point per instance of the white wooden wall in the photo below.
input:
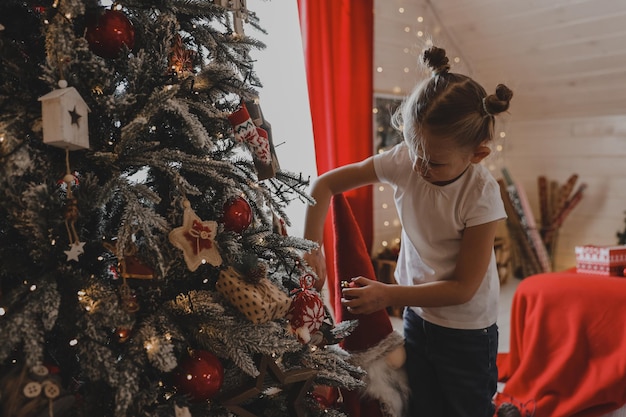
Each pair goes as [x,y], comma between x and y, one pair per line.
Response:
[593,148]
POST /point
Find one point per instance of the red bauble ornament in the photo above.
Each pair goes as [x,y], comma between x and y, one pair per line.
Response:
[237,215]
[122,334]
[326,396]
[109,32]
[200,376]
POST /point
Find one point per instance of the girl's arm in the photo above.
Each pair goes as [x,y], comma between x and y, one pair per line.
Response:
[474,257]
[324,187]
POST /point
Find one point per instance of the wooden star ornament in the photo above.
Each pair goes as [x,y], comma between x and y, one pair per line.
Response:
[295,383]
[196,239]
[76,249]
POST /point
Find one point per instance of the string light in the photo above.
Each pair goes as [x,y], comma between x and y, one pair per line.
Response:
[386,222]
[88,303]
[2,311]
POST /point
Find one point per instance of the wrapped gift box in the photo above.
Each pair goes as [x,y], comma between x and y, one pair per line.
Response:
[260,302]
[601,260]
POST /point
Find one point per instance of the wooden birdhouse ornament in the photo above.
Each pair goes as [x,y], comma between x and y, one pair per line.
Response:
[64,114]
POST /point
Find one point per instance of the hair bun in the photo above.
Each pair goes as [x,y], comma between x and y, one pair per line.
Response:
[436,59]
[504,93]
[498,102]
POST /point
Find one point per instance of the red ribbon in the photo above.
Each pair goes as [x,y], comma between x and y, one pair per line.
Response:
[201,235]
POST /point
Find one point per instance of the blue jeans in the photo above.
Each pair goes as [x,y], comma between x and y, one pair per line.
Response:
[452,372]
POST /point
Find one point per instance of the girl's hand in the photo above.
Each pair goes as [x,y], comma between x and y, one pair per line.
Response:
[317,261]
[364,296]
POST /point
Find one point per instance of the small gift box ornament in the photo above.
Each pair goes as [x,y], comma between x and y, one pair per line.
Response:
[259,302]
[601,260]
[64,115]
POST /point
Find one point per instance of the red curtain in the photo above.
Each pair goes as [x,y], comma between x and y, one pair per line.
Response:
[338,37]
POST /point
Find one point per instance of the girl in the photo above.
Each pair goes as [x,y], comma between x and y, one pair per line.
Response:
[449,206]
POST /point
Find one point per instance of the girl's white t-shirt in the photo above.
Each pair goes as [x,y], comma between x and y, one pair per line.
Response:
[433,219]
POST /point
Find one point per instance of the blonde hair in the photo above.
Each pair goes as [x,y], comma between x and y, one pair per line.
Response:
[449,105]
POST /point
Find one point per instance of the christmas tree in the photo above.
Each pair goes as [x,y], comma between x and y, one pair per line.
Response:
[145,264]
